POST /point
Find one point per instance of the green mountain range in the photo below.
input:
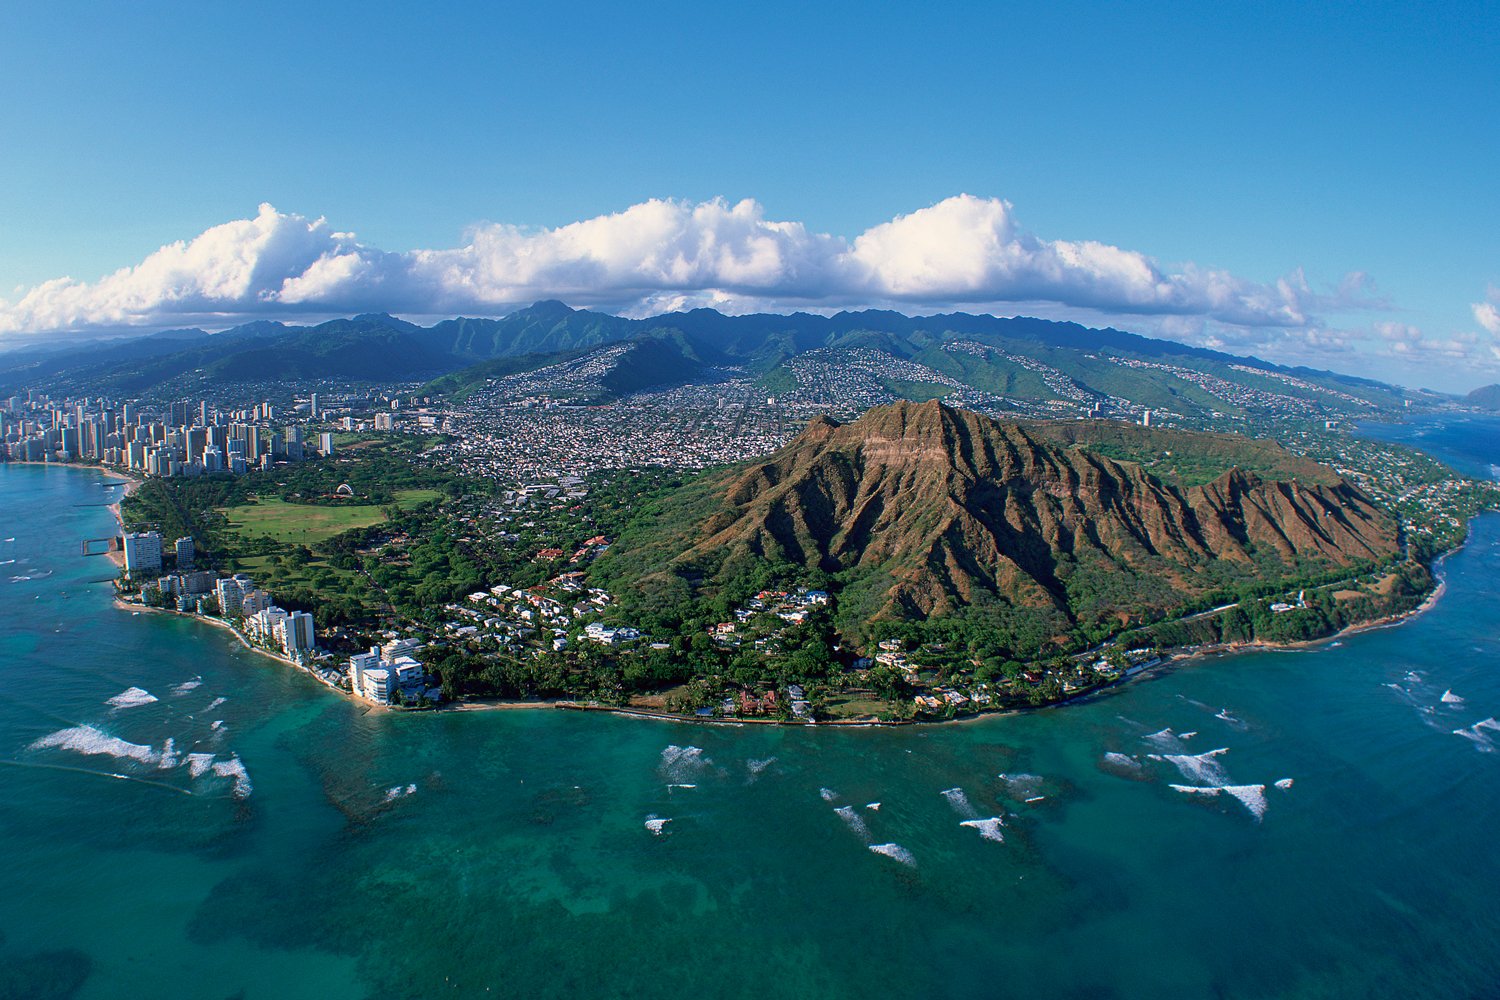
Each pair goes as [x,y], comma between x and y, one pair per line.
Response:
[1021,357]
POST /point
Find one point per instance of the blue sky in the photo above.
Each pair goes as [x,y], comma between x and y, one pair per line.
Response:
[1211,153]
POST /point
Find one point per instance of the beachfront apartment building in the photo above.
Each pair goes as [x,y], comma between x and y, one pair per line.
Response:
[377,677]
[142,552]
[294,633]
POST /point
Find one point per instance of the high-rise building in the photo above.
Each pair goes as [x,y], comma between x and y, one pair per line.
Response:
[70,449]
[184,547]
[127,414]
[197,443]
[315,406]
[325,443]
[143,553]
[180,417]
[204,413]
[295,632]
[384,422]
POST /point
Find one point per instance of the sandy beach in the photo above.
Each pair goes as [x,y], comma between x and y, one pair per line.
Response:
[115,555]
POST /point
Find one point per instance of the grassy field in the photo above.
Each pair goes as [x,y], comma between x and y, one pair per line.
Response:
[305,524]
[407,499]
[299,523]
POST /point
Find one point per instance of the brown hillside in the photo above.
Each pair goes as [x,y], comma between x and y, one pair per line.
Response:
[958,508]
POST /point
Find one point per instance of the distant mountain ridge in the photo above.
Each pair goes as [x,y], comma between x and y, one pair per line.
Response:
[378,347]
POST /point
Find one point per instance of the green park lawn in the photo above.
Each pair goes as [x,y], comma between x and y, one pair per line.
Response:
[407,499]
[305,524]
[300,524]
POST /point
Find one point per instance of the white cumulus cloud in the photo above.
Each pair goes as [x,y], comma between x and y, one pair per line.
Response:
[1486,313]
[656,256]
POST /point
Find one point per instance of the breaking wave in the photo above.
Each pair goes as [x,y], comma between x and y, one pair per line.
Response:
[681,765]
[755,767]
[1252,797]
[1121,762]
[855,822]
[828,794]
[131,697]
[1023,786]
[187,686]
[1164,741]
[960,803]
[1481,742]
[897,852]
[399,792]
[1202,768]
[989,829]
[90,741]
[656,826]
[236,770]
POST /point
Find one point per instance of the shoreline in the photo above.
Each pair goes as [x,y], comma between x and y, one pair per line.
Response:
[117,556]
[244,641]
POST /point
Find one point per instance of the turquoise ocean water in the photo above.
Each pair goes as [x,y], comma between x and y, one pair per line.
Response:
[248,833]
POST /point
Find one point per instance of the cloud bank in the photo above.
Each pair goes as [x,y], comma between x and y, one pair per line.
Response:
[656,256]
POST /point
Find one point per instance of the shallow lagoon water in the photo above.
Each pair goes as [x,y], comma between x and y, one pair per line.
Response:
[513,852]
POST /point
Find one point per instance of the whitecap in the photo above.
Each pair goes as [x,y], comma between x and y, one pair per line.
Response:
[960,803]
[131,697]
[1194,789]
[217,724]
[1164,741]
[236,770]
[1187,736]
[399,792]
[1022,786]
[873,805]
[895,851]
[215,703]
[1202,767]
[682,764]
[656,826]
[1284,783]
[90,741]
[186,686]
[1481,742]
[1489,723]
[168,755]
[855,822]
[681,784]
[755,767]
[989,829]
[1121,762]
[1233,722]
[828,794]
[1449,698]
[1252,797]
[199,763]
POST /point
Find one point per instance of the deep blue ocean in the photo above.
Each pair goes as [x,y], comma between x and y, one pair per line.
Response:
[182,818]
